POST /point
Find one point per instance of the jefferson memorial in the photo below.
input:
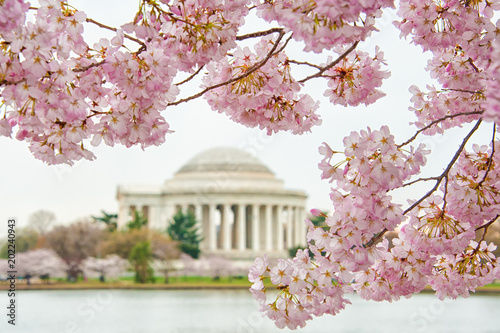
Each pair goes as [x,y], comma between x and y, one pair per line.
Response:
[241,208]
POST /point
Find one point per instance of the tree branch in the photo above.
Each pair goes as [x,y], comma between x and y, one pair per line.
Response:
[304,63]
[419,180]
[247,73]
[448,168]
[89,20]
[259,33]
[439,178]
[332,64]
[436,122]
[190,77]
[487,225]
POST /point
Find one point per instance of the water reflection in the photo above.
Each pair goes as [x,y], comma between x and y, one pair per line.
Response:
[148,311]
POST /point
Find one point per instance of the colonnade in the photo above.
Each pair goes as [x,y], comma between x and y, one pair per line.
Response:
[237,226]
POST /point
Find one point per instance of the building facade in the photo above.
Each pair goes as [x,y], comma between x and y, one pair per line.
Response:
[241,208]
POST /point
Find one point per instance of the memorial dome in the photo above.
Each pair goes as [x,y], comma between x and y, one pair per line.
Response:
[224,159]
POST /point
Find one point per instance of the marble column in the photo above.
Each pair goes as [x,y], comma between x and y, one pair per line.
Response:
[241,228]
[279,229]
[212,232]
[255,227]
[303,226]
[289,227]
[123,216]
[269,230]
[198,212]
[297,226]
[226,226]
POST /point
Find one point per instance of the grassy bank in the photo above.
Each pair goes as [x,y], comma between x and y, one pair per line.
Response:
[190,282]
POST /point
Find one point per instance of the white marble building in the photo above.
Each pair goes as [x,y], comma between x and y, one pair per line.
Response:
[242,209]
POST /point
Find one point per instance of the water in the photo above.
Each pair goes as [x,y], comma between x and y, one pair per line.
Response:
[227,311]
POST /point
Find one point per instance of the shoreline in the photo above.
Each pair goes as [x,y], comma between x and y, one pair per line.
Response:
[491,290]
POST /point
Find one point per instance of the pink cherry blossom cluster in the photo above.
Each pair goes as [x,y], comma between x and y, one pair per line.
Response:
[356,78]
[492,103]
[265,96]
[194,32]
[12,15]
[324,24]
[344,258]
[460,36]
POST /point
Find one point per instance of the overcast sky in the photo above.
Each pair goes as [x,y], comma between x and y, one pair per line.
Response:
[28,185]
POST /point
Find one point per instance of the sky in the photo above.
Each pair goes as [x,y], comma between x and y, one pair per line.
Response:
[72,193]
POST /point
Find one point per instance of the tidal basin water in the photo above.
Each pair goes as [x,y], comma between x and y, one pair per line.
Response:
[228,311]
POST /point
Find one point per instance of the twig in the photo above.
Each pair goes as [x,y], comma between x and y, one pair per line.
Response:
[83,69]
[89,20]
[438,121]
[447,170]
[333,63]
[190,77]
[304,63]
[250,71]
[487,225]
[463,90]
[259,33]
[419,180]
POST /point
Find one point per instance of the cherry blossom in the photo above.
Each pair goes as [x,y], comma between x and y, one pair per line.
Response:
[61,93]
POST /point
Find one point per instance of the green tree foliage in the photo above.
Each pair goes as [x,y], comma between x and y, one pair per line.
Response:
[319,221]
[140,258]
[183,229]
[110,220]
[26,240]
[138,222]
[122,242]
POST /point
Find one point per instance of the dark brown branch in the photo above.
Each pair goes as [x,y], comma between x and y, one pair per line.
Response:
[436,122]
[487,225]
[444,174]
[89,20]
[447,170]
[83,69]
[472,64]
[259,33]
[190,77]
[9,83]
[247,73]
[332,64]
[463,90]
[445,192]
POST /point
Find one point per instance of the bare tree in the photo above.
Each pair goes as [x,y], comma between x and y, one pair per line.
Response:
[74,243]
[41,220]
[165,251]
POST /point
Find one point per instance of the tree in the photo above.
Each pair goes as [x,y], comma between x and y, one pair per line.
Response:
[42,263]
[140,258]
[58,93]
[165,250]
[184,230]
[138,222]
[122,242]
[26,240]
[110,220]
[74,243]
[41,220]
[111,266]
